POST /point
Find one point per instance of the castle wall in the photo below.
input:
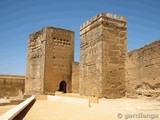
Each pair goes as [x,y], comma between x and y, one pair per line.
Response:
[114,55]
[91,62]
[102,56]
[34,81]
[143,68]
[11,85]
[59,58]
[49,59]
[75,77]
[105,68]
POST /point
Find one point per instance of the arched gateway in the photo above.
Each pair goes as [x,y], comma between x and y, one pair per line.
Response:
[62,86]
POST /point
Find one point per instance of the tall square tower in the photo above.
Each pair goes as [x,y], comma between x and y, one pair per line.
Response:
[49,61]
[102,56]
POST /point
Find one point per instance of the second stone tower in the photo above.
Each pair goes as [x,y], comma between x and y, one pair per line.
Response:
[102,56]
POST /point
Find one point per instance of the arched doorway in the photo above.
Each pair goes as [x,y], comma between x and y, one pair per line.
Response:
[62,86]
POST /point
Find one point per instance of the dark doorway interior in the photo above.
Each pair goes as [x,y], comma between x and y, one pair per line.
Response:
[62,86]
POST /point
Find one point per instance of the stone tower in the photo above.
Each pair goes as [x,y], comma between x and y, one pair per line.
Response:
[102,56]
[49,61]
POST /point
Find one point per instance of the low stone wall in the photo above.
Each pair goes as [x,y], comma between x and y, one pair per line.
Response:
[11,85]
[17,109]
[41,97]
[76,95]
[70,100]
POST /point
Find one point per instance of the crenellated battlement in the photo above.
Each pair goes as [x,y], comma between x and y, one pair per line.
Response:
[103,15]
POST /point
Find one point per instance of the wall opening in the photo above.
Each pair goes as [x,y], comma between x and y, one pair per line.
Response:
[62,86]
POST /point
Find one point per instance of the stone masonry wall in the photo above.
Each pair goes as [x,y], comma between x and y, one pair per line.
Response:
[35,63]
[90,80]
[11,85]
[143,69]
[49,60]
[75,77]
[102,56]
[59,58]
[114,55]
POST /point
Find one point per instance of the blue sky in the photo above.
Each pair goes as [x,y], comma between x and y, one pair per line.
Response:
[19,18]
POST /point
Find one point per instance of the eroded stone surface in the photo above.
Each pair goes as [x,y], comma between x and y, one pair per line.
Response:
[75,77]
[59,58]
[11,85]
[50,55]
[102,57]
[143,70]
[34,81]
[105,68]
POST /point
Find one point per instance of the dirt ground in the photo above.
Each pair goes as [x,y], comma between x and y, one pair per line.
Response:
[106,109]
[5,108]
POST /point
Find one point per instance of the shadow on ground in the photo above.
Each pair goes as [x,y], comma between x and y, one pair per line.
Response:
[23,113]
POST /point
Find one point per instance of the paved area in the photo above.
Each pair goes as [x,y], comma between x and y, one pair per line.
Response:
[114,109]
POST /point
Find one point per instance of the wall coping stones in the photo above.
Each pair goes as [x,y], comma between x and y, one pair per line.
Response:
[12,76]
[17,109]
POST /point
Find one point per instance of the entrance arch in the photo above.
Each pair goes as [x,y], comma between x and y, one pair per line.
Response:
[62,86]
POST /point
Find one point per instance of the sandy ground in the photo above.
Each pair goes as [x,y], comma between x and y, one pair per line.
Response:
[5,108]
[106,109]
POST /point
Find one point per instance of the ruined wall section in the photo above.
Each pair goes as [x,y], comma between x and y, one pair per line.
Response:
[59,58]
[102,56]
[75,77]
[132,72]
[35,63]
[114,55]
[11,85]
[143,68]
